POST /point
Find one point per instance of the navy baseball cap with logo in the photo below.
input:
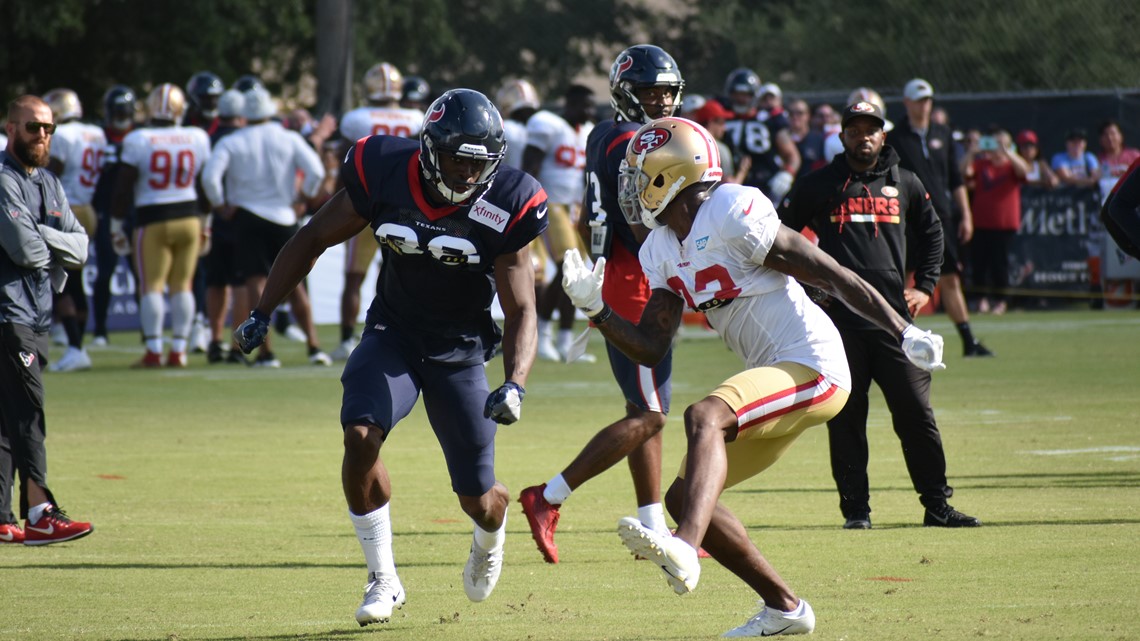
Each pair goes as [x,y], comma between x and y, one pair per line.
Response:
[863,109]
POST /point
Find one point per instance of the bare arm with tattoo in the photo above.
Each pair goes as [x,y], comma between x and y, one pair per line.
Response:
[649,340]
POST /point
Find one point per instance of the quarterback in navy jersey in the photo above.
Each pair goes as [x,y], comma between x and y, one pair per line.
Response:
[454,227]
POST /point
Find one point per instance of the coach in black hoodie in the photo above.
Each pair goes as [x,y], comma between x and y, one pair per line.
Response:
[860,206]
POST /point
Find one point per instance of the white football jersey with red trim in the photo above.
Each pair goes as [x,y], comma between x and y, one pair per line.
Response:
[79,146]
[386,121]
[564,166]
[763,315]
[168,160]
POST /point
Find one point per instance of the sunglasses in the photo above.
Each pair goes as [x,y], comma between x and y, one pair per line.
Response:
[34,127]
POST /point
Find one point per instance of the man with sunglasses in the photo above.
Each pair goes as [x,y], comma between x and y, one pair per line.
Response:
[39,238]
[861,206]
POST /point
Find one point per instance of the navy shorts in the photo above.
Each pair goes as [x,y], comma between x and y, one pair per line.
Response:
[649,388]
[382,380]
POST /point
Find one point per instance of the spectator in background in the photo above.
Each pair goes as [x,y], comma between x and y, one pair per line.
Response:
[997,172]
[1039,174]
[1076,166]
[1114,157]
[825,120]
[771,99]
[712,115]
[808,140]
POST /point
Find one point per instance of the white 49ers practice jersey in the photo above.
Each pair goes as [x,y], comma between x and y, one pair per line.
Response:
[168,160]
[79,146]
[564,166]
[385,121]
[763,315]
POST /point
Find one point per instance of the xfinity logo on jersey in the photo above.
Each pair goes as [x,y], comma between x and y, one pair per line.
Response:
[650,140]
[488,214]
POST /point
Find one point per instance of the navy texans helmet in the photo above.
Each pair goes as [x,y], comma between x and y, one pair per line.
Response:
[203,90]
[463,123]
[416,90]
[247,82]
[740,81]
[638,67]
[119,104]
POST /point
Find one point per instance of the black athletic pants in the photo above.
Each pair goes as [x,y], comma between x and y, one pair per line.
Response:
[22,427]
[875,355]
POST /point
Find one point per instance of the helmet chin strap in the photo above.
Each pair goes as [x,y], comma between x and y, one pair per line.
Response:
[450,195]
[649,218]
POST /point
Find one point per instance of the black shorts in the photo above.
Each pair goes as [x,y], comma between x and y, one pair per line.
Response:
[951,255]
[222,263]
[259,241]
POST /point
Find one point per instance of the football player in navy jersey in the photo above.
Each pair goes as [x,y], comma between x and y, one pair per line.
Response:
[454,227]
[645,84]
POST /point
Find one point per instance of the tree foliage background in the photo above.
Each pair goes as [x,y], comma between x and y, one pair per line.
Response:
[805,45]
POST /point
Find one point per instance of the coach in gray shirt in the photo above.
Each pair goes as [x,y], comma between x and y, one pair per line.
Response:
[39,238]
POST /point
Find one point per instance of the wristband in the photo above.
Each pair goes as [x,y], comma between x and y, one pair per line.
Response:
[260,317]
[602,316]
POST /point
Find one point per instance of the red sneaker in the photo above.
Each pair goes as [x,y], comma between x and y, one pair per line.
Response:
[11,533]
[54,527]
[149,360]
[176,359]
[543,519]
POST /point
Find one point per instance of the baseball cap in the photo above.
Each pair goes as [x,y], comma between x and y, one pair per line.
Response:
[770,88]
[918,89]
[862,108]
[711,110]
[1027,137]
[1076,134]
[231,104]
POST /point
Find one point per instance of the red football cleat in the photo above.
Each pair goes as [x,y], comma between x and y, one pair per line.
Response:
[11,533]
[149,360]
[543,519]
[176,359]
[54,527]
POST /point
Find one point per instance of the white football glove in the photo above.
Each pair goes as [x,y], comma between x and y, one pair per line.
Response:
[119,241]
[923,348]
[779,185]
[584,287]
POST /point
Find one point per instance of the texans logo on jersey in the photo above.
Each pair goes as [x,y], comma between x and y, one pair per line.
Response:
[650,140]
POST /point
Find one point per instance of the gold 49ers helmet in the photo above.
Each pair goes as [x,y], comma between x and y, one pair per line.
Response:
[664,157]
[166,102]
[64,105]
[516,94]
[383,82]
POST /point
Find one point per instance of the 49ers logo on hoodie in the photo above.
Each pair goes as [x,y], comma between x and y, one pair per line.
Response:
[868,209]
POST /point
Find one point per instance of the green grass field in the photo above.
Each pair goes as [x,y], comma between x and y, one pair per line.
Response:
[216,497]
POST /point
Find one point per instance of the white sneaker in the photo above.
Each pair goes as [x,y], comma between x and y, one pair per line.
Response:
[547,351]
[199,337]
[58,334]
[343,350]
[320,358]
[675,557]
[99,341]
[73,360]
[769,622]
[297,334]
[382,594]
[482,572]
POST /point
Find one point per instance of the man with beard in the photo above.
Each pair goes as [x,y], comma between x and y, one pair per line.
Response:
[39,238]
[860,206]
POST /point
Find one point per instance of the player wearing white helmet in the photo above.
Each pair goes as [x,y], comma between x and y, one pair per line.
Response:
[76,157]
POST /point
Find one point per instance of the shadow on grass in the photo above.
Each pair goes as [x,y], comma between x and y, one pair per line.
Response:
[1076,480]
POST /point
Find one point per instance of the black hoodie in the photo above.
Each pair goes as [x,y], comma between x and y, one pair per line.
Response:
[864,222]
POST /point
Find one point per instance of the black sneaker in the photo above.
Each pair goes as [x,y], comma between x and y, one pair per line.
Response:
[214,353]
[235,357]
[858,522]
[946,516]
[976,350]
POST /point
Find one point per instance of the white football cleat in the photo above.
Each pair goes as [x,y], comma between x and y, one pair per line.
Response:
[343,350]
[770,622]
[199,336]
[383,594]
[295,333]
[320,358]
[547,351]
[676,558]
[482,572]
[73,360]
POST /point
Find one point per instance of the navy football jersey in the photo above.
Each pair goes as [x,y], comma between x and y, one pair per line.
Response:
[605,150]
[436,282]
[755,136]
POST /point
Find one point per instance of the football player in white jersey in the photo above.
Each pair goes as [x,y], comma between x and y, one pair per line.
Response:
[160,167]
[76,157]
[720,249]
[382,115]
[556,155]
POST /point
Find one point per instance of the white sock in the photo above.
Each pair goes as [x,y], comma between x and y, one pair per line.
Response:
[543,330]
[36,511]
[557,491]
[797,612]
[488,541]
[151,311]
[374,531]
[565,337]
[181,319]
[652,516]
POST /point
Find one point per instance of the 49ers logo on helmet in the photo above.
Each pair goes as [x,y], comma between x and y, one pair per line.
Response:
[650,140]
[437,112]
[621,66]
